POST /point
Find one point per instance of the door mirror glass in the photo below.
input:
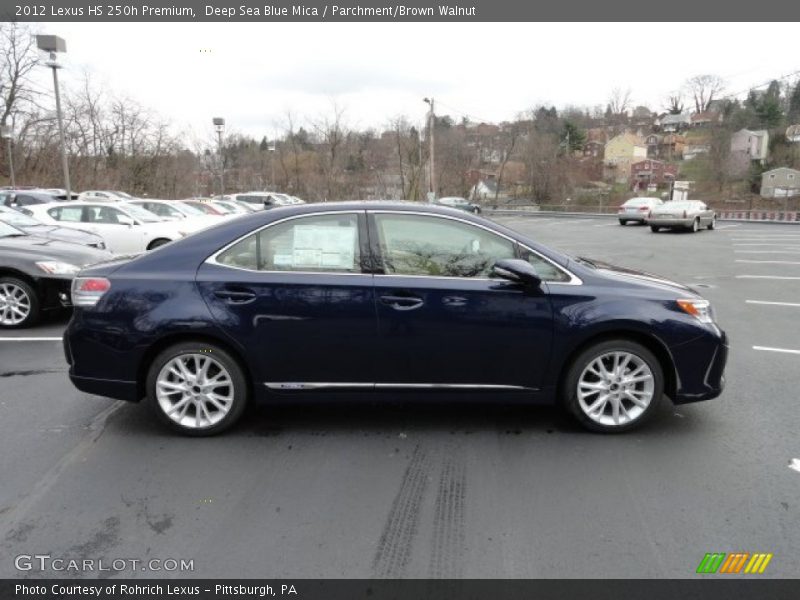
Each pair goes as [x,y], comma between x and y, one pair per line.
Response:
[126,220]
[516,270]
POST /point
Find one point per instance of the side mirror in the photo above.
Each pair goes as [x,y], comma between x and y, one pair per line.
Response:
[517,271]
[126,220]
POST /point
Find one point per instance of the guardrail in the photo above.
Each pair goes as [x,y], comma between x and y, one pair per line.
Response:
[748,216]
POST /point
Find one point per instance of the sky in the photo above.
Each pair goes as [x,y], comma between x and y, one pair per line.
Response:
[254,74]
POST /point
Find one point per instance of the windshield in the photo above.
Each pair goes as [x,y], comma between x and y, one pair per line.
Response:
[9,215]
[141,213]
[7,230]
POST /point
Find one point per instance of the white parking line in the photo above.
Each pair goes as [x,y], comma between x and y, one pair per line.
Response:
[767,262]
[766,251]
[30,339]
[768,349]
[728,226]
[770,303]
[607,225]
[783,245]
[765,277]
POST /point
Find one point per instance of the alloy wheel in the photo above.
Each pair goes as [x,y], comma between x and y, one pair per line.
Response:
[195,390]
[615,388]
[15,304]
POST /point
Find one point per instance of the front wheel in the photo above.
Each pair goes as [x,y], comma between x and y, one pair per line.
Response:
[613,386]
[695,225]
[19,304]
[623,222]
[712,224]
[197,389]
[655,228]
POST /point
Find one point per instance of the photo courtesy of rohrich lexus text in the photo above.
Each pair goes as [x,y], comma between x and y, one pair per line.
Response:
[399,301]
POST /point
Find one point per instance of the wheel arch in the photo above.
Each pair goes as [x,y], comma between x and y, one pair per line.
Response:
[183,337]
[12,272]
[650,342]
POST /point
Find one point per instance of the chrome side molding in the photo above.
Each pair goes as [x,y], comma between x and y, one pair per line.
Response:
[306,385]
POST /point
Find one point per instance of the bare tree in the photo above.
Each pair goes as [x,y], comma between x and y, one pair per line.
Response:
[620,101]
[704,89]
[18,56]
[674,104]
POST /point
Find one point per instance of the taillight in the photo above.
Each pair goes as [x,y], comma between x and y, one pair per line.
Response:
[643,208]
[87,291]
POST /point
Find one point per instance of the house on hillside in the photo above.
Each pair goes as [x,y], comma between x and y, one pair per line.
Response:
[748,147]
[621,152]
[706,118]
[793,134]
[670,123]
[648,175]
[782,182]
[485,189]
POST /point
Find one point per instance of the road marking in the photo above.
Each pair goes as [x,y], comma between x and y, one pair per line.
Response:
[786,245]
[31,339]
[728,226]
[768,349]
[795,464]
[607,225]
[767,262]
[796,304]
[765,277]
[766,251]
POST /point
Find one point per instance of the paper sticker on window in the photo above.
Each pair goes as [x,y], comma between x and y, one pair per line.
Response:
[324,246]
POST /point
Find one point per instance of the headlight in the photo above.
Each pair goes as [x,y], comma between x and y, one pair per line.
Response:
[57,268]
[700,309]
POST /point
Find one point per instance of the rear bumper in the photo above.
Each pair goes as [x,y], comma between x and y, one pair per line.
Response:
[700,379]
[119,390]
[672,222]
[632,217]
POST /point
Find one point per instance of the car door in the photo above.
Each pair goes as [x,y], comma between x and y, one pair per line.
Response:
[442,321]
[296,296]
[115,228]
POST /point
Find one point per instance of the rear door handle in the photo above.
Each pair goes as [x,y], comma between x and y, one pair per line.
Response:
[236,296]
[402,302]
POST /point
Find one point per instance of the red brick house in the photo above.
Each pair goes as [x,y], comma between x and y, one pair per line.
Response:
[652,172]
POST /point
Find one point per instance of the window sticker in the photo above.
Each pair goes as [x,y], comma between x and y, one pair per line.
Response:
[324,246]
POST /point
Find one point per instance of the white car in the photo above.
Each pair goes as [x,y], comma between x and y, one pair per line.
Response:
[191,218]
[125,228]
[636,210]
[262,200]
[103,196]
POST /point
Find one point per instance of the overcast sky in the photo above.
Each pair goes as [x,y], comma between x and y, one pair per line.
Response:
[252,74]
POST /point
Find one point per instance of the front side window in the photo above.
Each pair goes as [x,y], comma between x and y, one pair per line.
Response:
[438,247]
[104,215]
[327,243]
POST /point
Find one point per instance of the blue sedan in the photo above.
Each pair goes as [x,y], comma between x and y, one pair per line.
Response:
[366,300]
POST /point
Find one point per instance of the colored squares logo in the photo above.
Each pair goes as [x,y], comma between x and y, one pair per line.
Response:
[734,563]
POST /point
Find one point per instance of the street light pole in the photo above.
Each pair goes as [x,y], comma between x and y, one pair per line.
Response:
[8,133]
[54,44]
[219,125]
[431,128]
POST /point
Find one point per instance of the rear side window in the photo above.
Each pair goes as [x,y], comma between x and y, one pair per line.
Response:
[71,214]
[326,243]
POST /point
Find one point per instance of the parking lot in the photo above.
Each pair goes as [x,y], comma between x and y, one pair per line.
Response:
[430,491]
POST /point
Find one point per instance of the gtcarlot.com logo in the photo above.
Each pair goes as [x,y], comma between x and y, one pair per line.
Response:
[734,563]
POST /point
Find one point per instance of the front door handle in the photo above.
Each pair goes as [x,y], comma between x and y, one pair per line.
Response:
[241,296]
[402,302]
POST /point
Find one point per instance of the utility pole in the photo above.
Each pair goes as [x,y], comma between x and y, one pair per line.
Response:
[431,128]
[8,133]
[54,44]
[219,125]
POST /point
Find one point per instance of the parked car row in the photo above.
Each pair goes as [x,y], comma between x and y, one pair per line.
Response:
[690,215]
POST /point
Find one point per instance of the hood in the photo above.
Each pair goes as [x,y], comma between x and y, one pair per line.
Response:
[643,278]
[37,248]
[63,234]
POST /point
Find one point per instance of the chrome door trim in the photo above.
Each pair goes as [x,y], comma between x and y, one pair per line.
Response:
[317,385]
[573,279]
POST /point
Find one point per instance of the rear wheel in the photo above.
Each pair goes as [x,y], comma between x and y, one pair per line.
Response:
[19,304]
[158,242]
[655,228]
[695,226]
[712,224]
[613,386]
[197,389]
[623,221]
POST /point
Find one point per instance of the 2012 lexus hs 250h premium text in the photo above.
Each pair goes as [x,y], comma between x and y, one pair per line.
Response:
[370,299]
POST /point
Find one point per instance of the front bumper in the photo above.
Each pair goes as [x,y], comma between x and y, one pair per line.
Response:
[700,368]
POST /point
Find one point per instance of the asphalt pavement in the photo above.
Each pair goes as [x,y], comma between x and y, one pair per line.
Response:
[430,491]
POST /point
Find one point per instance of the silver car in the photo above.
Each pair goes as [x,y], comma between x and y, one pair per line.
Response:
[636,210]
[684,214]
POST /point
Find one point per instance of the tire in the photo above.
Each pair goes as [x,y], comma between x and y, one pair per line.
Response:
[712,224]
[623,222]
[158,242]
[19,304]
[603,419]
[695,226]
[165,377]
[655,228]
